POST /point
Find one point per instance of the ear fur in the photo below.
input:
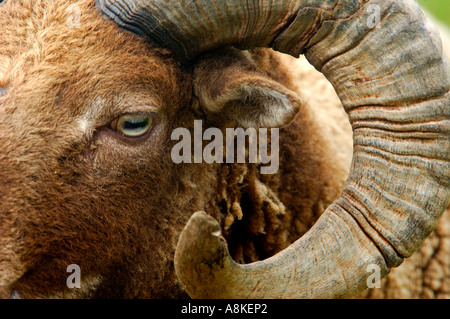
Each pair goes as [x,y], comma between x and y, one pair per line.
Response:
[229,85]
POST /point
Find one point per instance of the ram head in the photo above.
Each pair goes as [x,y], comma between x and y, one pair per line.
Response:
[101,101]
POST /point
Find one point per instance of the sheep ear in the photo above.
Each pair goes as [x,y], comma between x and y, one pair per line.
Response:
[230,86]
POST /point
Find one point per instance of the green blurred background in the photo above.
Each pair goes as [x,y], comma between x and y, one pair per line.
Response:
[439,8]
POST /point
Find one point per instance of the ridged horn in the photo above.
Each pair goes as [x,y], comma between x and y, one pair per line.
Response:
[386,63]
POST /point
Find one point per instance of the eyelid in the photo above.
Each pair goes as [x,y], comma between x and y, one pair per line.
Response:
[113,124]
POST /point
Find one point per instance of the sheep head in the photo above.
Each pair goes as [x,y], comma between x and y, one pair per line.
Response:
[77,185]
[395,95]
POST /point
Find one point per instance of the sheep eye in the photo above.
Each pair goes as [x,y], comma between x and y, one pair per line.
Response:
[133,125]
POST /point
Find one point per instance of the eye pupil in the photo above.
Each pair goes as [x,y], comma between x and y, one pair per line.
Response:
[133,125]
